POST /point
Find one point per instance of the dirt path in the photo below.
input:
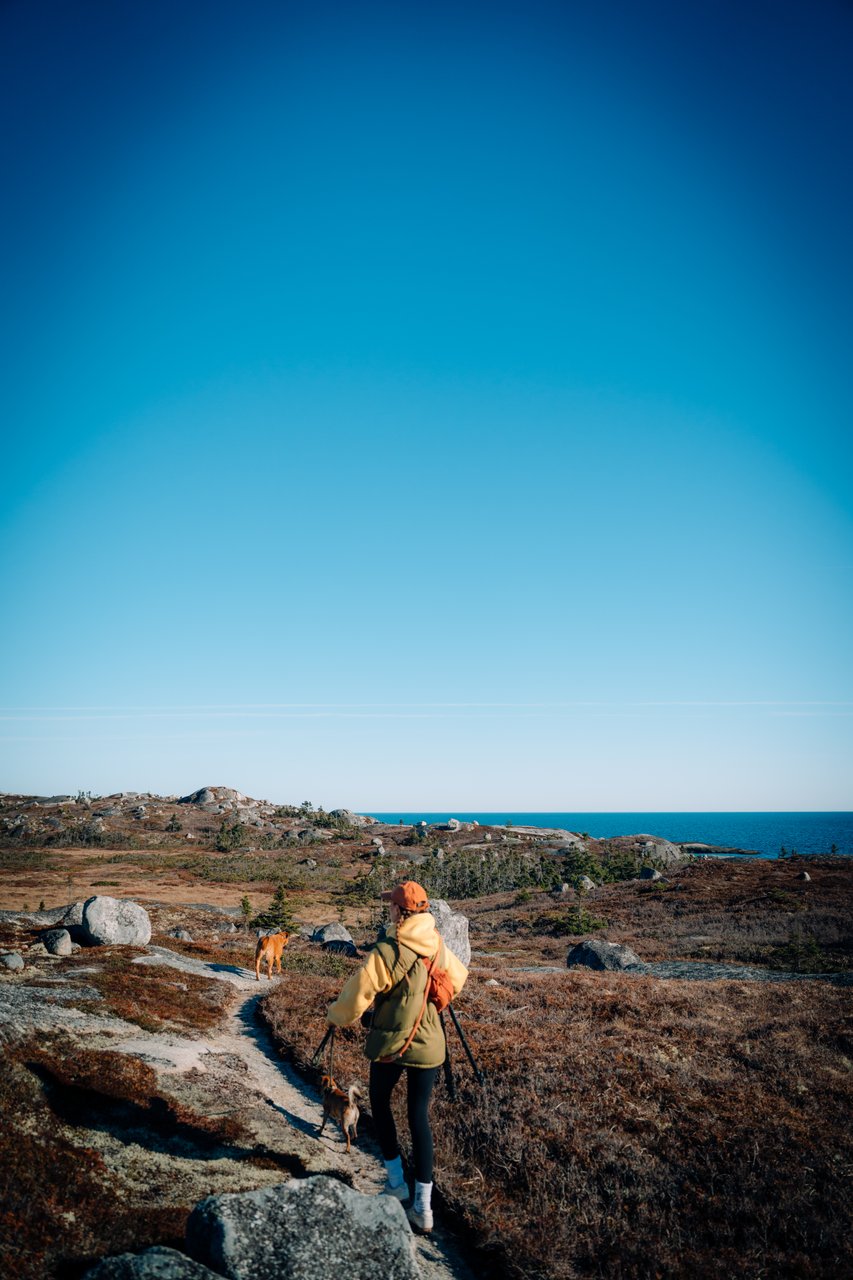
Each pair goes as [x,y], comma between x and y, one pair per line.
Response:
[244,1039]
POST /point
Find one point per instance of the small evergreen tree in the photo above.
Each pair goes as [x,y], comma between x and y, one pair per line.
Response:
[579,862]
[278,915]
[231,837]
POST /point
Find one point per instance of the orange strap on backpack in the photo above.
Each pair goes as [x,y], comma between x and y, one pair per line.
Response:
[392,1057]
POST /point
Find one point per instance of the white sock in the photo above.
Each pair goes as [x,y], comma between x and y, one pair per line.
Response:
[394,1169]
[423,1197]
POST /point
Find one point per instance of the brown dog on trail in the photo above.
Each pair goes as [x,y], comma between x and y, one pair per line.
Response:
[342,1106]
[270,949]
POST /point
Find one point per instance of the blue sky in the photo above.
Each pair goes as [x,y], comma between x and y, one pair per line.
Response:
[431,405]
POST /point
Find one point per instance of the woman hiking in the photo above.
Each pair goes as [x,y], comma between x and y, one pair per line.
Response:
[396,975]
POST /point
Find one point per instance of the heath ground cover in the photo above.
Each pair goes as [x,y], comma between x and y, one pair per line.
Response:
[633,1127]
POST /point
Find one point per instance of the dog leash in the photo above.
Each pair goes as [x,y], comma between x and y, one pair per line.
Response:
[318,1052]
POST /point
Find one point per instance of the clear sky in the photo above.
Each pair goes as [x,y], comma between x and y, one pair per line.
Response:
[429,405]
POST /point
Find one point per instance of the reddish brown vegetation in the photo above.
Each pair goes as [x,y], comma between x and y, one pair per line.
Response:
[155,997]
[636,1128]
[747,912]
[62,1204]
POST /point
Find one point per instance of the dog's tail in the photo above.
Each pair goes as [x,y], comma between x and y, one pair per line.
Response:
[353,1092]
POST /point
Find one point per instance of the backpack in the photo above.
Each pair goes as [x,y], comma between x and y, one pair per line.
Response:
[439,986]
[438,991]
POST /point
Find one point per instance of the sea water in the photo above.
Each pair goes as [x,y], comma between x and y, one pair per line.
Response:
[766,833]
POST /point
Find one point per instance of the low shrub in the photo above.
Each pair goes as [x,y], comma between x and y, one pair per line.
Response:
[278,915]
[575,921]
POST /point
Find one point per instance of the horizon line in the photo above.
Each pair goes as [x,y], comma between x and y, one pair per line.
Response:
[401,710]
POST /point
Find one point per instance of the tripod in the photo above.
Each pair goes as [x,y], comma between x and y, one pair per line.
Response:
[448,1069]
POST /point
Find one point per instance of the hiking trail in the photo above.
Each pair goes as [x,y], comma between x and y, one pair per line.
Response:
[244,1041]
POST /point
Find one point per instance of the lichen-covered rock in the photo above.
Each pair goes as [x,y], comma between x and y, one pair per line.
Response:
[12,961]
[650,873]
[312,835]
[303,1230]
[593,953]
[352,819]
[656,849]
[72,915]
[157,1263]
[331,933]
[57,942]
[453,927]
[115,921]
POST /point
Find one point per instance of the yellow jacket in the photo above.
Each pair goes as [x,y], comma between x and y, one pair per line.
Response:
[376,978]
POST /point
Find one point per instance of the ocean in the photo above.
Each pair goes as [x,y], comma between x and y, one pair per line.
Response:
[767,833]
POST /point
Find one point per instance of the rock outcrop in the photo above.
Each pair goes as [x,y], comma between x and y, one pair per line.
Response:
[156,1263]
[302,1230]
[216,795]
[352,819]
[593,953]
[657,850]
[331,933]
[115,921]
[453,927]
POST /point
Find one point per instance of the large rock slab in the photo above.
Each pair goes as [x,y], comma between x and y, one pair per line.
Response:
[453,927]
[561,839]
[157,1263]
[331,933]
[352,819]
[215,795]
[115,921]
[303,1230]
[593,953]
[65,916]
[658,850]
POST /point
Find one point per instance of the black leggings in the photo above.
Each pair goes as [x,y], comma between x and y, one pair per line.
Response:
[419,1082]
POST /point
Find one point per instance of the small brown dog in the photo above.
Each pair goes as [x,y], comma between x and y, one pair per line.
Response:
[342,1106]
[270,949]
